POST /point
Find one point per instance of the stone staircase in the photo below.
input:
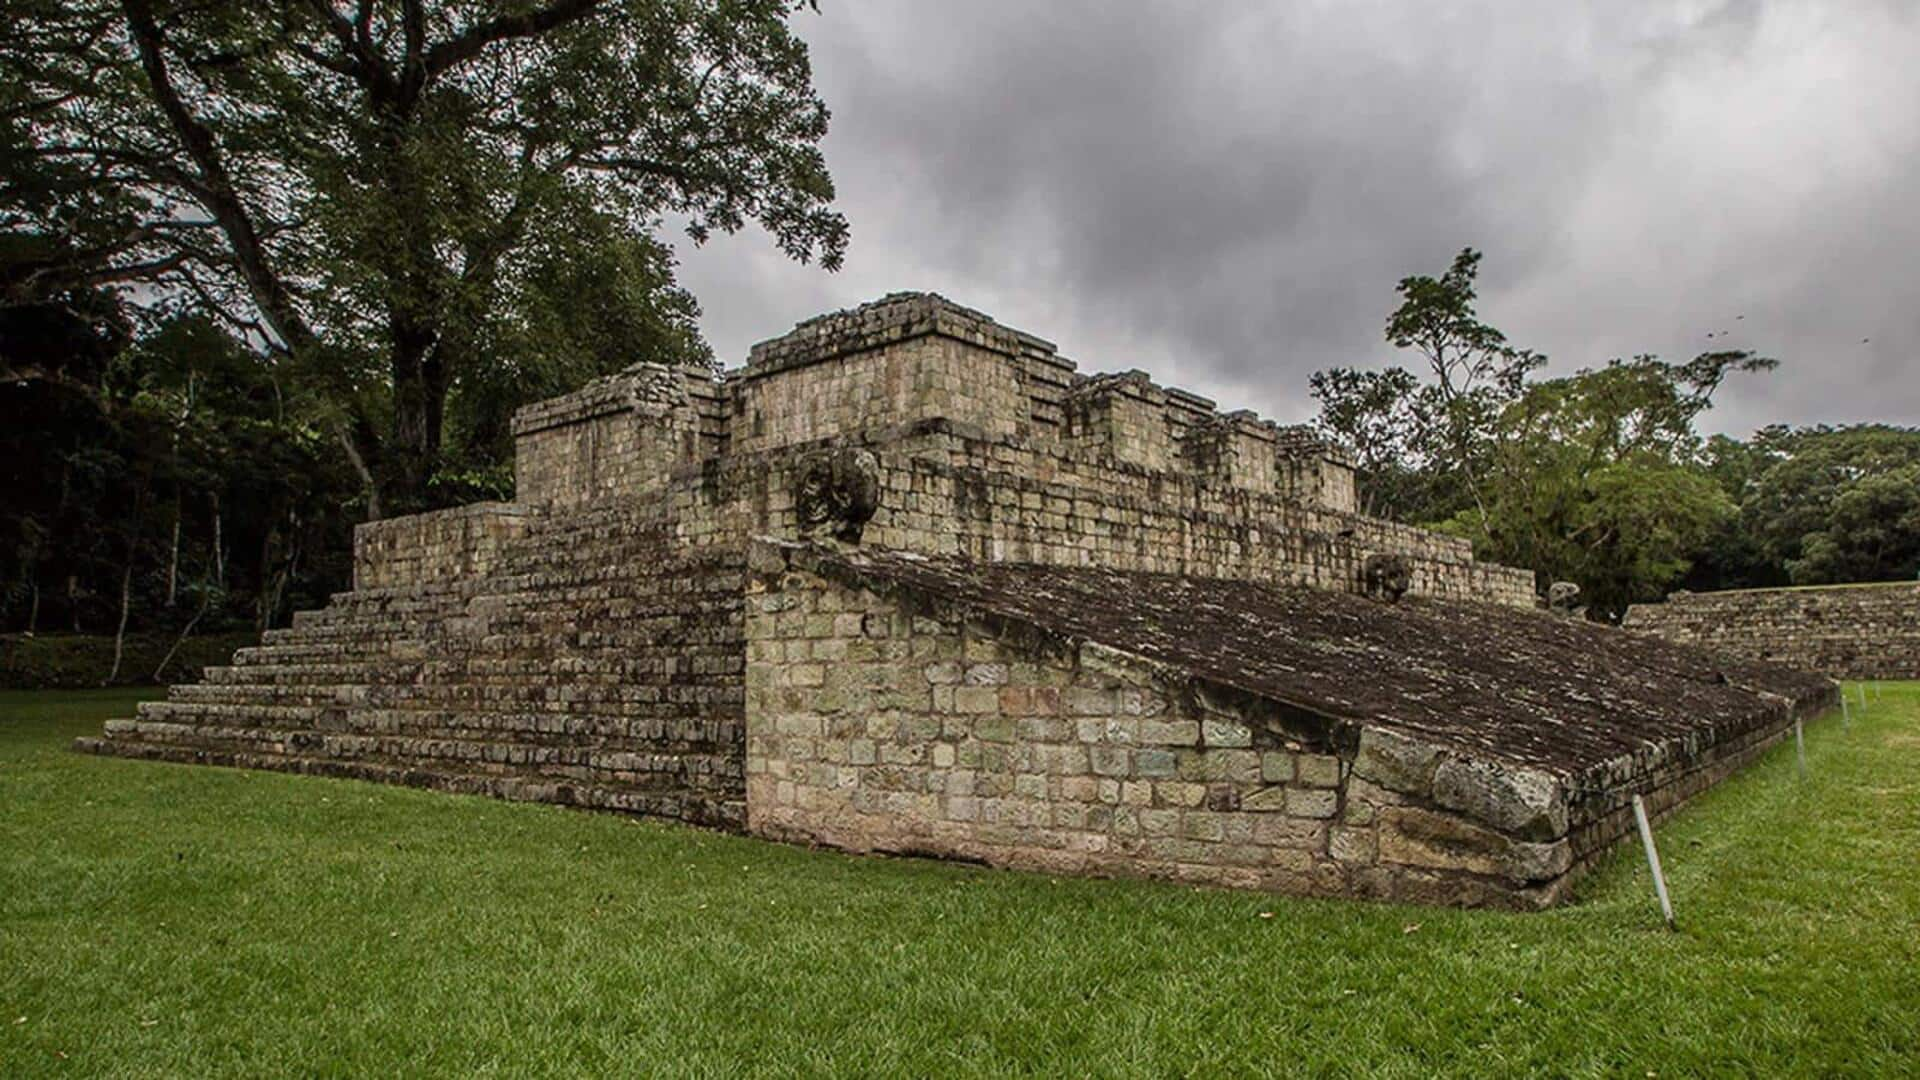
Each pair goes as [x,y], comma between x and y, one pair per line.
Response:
[600,666]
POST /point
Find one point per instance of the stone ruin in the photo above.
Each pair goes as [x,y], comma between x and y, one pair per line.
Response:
[1865,631]
[908,582]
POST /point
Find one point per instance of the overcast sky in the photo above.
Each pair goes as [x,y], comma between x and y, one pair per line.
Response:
[1224,193]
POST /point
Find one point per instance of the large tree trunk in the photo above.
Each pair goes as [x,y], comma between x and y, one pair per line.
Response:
[419,408]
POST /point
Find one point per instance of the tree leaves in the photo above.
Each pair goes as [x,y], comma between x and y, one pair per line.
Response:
[381,192]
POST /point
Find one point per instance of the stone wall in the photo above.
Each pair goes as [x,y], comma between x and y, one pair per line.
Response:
[618,436]
[1846,631]
[875,725]
[443,546]
[786,397]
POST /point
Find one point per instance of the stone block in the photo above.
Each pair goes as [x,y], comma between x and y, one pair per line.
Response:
[1225,733]
[1312,802]
[1525,803]
[1318,770]
[1396,761]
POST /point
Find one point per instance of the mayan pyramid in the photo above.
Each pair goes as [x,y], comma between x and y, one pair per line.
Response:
[908,581]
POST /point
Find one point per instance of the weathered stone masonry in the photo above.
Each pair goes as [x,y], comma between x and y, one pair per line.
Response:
[1299,740]
[1847,631]
[910,582]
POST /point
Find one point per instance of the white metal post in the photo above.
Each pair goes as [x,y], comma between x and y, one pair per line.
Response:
[1653,859]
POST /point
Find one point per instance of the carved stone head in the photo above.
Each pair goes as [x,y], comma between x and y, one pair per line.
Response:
[1386,577]
[837,491]
[1563,598]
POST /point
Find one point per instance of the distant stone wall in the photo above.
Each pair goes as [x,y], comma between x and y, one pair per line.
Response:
[1847,631]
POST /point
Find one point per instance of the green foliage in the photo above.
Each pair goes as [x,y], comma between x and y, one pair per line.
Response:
[164,920]
[1422,446]
[76,661]
[1596,478]
[1837,504]
[413,202]
[177,481]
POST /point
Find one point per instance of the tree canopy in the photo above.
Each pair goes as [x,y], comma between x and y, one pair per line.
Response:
[428,212]
[1600,477]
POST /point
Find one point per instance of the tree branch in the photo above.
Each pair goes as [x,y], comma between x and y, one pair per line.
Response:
[222,202]
[468,45]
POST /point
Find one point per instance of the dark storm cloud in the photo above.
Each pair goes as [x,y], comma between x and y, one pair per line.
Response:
[1225,193]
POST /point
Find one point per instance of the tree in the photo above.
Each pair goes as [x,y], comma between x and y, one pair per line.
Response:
[1372,413]
[167,481]
[1598,478]
[1836,504]
[385,194]
[1475,372]
[1421,445]
[1734,556]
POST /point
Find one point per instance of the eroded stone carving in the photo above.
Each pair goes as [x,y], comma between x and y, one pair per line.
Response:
[837,491]
[1563,598]
[1386,576]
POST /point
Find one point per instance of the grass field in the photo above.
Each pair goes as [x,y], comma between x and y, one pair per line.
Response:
[165,920]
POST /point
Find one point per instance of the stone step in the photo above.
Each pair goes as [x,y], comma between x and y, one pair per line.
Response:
[656,734]
[633,615]
[330,653]
[725,811]
[479,671]
[358,631]
[599,765]
[458,690]
[628,680]
[660,732]
[234,714]
[318,706]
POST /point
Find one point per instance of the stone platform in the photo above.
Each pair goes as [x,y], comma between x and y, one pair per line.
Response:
[910,582]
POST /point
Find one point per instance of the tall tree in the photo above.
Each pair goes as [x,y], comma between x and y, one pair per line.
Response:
[382,191]
[1834,504]
[1598,478]
[1421,440]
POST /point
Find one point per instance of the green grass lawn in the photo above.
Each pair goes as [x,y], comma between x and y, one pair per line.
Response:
[176,921]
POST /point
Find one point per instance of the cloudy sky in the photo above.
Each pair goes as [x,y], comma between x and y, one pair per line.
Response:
[1224,193]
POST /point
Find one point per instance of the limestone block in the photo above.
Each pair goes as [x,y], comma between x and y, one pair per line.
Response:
[1523,802]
